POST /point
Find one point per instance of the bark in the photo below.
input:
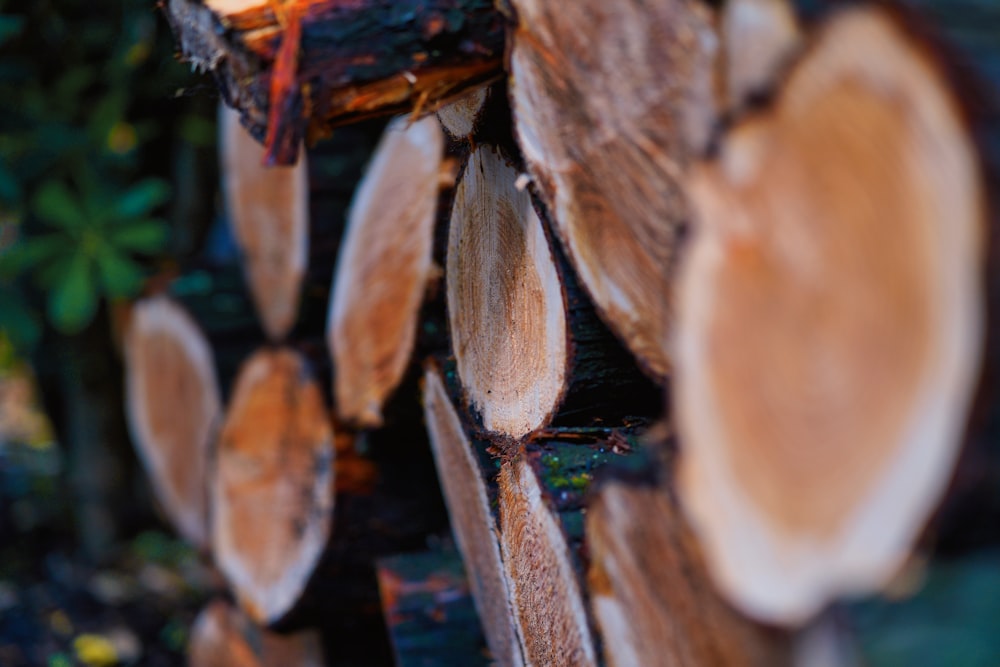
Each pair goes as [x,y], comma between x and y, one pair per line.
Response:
[268,212]
[174,407]
[222,636]
[272,496]
[839,274]
[608,149]
[314,64]
[382,273]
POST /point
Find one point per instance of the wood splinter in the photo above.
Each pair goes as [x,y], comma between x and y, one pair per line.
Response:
[830,322]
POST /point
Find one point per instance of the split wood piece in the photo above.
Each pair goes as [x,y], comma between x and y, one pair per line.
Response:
[174,407]
[830,322]
[548,603]
[506,308]
[222,636]
[759,37]
[272,495]
[429,613]
[463,474]
[461,117]
[608,150]
[650,592]
[302,66]
[540,502]
[382,272]
[268,210]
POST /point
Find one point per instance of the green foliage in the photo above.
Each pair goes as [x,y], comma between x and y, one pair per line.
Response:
[89,104]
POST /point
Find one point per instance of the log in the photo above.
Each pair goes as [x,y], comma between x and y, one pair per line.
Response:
[651,595]
[607,150]
[173,407]
[298,68]
[268,210]
[548,602]
[463,471]
[222,636]
[830,321]
[272,495]
[505,300]
[384,264]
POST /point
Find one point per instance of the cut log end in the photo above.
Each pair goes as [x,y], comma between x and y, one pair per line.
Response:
[613,186]
[830,322]
[650,591]
[461,117]
[173,407]
[505,300]
[268,210]
[273,492]
[546,593]
[224,637]
[759,37]
[384,265]
[471,520]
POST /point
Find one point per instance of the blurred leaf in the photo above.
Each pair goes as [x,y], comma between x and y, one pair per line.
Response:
[10,27]
[120,276]
[106,114]
[27,253]
[145,236]
[73,300]
[198,131]
[142,198]
[56,205]
[18,321]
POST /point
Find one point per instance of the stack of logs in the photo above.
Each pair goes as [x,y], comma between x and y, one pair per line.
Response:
[701,296]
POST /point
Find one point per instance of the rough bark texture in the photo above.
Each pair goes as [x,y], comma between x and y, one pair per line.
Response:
[222,636]
[602,121]
[382,272]
[268,210]
[173,407]
[272,496]
[463,478]
[320,63]
[837,273]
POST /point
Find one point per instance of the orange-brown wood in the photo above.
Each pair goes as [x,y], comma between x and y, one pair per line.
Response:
[272,495]
[547,600]
[268,210]
[173,407]
[472,522]
[222,636]
[384,265]
[830,322]
[609,100]
[651,595]
[506,307]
